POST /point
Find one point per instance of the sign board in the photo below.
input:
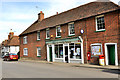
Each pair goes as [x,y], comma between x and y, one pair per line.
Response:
[95,50]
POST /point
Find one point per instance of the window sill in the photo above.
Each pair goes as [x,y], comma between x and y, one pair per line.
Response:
[38,40]
[100,31]
[71,35]
[39,56]
[47,38]
[58,37]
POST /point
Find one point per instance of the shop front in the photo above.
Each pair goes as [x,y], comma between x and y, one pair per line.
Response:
[65,50]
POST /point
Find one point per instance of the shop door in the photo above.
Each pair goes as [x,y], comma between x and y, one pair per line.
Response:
[66,54]
[50,52]
[111,54]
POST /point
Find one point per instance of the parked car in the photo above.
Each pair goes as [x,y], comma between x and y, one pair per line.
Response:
[10,56]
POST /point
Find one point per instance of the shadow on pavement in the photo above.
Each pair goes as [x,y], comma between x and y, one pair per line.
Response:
[114,71]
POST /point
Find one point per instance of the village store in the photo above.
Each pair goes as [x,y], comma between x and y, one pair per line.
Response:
[65,50]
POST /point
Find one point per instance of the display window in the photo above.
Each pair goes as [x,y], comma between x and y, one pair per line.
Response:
[75,50]
[96,49]
[59,51]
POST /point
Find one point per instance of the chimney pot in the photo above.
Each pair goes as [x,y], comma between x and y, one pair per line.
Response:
[57,13]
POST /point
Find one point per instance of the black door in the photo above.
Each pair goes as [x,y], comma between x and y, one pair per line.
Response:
[66,54]
[50,52]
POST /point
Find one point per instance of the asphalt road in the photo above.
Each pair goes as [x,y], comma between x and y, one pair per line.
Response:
[19,69]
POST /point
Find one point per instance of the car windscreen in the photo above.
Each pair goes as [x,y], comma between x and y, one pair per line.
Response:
[13,54]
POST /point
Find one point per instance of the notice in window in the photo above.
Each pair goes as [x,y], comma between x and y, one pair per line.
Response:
[96,50]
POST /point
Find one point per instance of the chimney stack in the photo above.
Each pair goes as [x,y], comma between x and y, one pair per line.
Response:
[57,13]
[11,34]
[40,16]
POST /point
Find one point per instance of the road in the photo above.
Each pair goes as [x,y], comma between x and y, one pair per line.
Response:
[20,69]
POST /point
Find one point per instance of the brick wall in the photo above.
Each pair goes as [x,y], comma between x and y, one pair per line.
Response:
[33,44]
[111,35]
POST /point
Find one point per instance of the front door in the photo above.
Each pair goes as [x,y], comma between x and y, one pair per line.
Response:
[50,53]
[111,54]
[66,54]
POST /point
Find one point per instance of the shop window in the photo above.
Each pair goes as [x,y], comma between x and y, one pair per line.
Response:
[96,49]
[59,51]
[75,50]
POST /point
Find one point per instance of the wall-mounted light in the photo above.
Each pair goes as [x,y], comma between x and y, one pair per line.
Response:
[51,36]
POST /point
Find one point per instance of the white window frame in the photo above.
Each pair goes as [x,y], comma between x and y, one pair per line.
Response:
[69,28]
[46,33]
[24,53]
[57,30]
[97,44]
[25,40]
[38,51]
[38,35]
[96,22]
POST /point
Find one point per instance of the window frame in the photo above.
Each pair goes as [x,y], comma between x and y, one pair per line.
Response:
[37,51]
[97,23]
[69,29]
[97,44]
[57,31]
[38,35]
[46,33]
[25,40]
[24,51]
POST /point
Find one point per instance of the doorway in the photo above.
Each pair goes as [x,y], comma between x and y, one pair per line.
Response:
[66,54]
[111,54]
[50,53]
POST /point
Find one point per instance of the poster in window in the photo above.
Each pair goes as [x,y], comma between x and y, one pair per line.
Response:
[95,50]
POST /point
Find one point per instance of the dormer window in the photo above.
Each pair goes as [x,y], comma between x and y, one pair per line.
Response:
[71,29]
[38,35]
[100,23]
[58,31]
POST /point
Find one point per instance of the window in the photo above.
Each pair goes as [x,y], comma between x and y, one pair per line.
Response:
[25,40]
[38,35]
[59,51]
[100,23]
[58,31]
[38,51]
[75,50]
[96,49]
[47,33]
[71,29]
[25,51]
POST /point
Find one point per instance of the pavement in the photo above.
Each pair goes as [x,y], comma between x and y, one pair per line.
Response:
[73,64]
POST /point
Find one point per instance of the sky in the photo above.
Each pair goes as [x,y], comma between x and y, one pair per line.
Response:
[18,15]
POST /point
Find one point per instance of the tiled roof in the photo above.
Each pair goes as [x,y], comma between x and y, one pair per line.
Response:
[14,41]
[81,12]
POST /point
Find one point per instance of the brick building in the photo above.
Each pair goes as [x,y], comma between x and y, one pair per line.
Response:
[68,36]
